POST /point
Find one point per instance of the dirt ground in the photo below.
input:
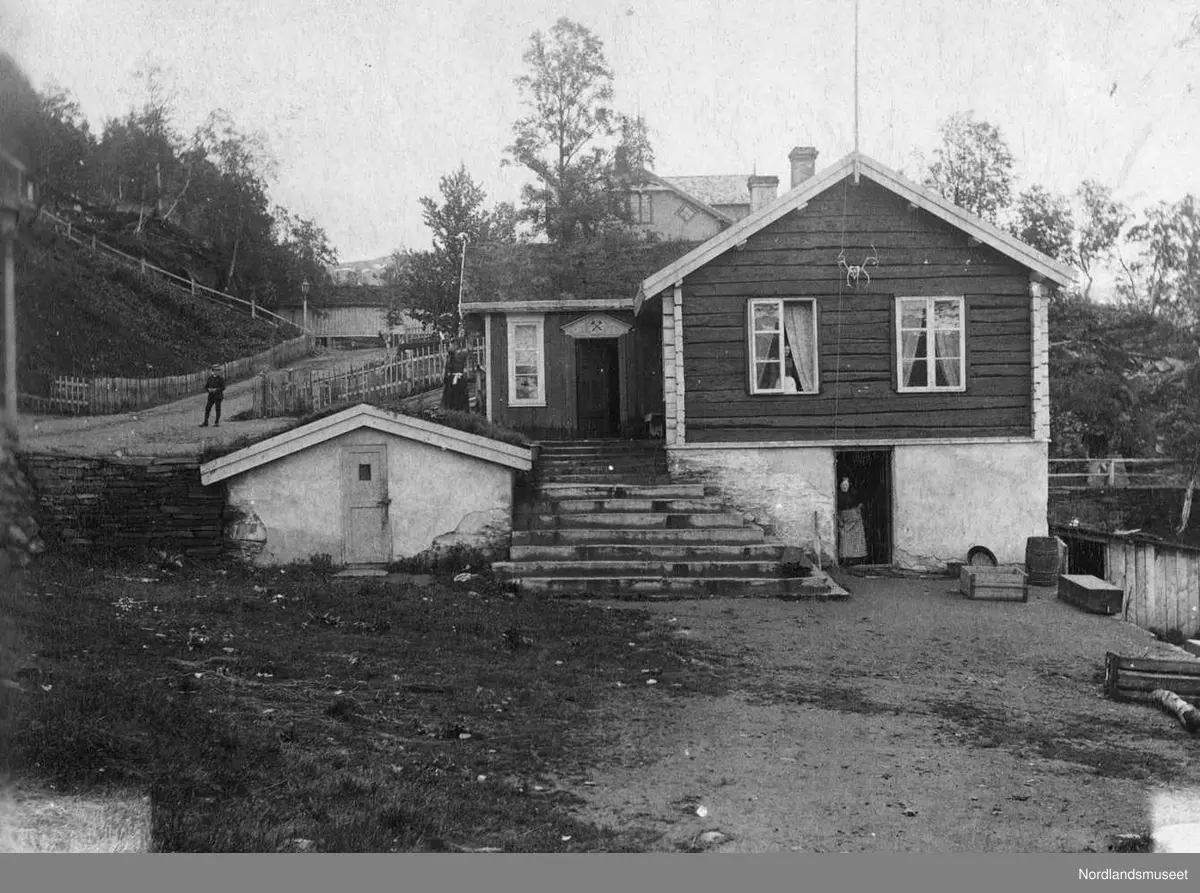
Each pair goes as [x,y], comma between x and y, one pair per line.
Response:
[172,429]
[904,718]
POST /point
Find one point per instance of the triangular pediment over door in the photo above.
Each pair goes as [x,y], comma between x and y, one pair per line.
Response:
[596,325]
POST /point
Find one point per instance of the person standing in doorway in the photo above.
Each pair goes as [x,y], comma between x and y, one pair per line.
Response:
[216,392]
[852,536]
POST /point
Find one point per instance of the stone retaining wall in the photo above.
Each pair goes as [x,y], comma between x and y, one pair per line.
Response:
[126,504]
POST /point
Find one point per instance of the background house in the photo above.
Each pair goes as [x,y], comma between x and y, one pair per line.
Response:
[367,486]
[695,208]
[348,316]
[862,327]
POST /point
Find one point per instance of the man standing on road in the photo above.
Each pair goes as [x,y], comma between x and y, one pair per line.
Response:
[216,391]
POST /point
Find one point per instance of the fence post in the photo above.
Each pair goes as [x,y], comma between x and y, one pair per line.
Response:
[1112,471]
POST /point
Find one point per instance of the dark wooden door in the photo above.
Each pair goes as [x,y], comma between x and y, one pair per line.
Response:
[597,387]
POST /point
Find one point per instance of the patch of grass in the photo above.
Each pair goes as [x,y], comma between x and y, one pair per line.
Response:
[827,696]
[1073,742]
[266,710]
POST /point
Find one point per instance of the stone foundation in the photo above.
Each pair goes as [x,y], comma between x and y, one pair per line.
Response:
[946,498]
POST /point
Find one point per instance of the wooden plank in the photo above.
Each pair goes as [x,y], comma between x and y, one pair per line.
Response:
[1172,589]
[1011,422]
[1194,593]
[929,281]
[760,256]
[1140,578]
[700,433]
[1157,665]
[1153,594]
[1140,683]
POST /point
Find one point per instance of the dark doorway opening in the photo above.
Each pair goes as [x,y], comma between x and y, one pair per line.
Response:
[597,387]
[867,475]
[1085,557]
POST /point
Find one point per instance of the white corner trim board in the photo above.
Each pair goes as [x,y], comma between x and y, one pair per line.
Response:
[365,416]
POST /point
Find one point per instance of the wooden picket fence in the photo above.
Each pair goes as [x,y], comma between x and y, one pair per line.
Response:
[74,395]
[411,371]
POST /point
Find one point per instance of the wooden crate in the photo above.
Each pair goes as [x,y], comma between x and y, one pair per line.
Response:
[1090,593]
[1126,677]
[1007,584]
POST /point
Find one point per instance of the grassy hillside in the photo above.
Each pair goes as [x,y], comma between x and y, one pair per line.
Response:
[78,313]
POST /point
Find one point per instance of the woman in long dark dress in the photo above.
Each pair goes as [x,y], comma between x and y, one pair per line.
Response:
[455,396]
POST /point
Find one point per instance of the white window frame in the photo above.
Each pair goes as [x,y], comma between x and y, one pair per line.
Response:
[930,345]
[751,347]
[539,322]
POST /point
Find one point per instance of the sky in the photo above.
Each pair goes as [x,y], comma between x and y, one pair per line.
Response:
[367,103]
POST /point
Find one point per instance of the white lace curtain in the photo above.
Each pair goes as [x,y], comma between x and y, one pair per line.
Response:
[798,325]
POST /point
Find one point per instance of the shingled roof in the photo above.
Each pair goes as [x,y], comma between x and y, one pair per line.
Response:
[345,296]
[718,189]
[602,271]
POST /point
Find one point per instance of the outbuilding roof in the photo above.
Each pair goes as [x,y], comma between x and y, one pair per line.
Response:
[364,416]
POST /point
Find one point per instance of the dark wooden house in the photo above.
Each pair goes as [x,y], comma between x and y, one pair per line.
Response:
[564,356]
[861,328]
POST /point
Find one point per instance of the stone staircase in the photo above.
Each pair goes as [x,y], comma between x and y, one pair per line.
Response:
[605,519]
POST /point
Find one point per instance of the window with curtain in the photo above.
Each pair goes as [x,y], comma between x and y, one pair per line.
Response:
[783,346]
[930,342]
[526,361]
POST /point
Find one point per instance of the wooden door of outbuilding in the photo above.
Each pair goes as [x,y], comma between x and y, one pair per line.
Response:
[367,532]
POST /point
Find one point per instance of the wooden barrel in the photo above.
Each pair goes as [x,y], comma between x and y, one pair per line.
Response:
[1041,560]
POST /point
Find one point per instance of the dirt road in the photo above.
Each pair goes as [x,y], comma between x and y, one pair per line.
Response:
[168,430]
[906,718]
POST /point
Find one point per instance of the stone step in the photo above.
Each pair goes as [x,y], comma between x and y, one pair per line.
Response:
[648,520]
[572,506]
[611,478]
[602,465]
[660,552]
[627,568]
[637,536]
[577,446]
[617,490]
[665,588]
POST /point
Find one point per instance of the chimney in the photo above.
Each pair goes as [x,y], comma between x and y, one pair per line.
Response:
[762,191]
[804,163]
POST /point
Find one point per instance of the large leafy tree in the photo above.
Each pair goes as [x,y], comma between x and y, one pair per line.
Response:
[972,166]
[428,282]
[567,136]
[1044,221]
[1164,273]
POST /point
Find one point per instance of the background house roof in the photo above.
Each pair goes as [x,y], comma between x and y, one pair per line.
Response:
[601,269]
[719,189]
[345,296]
